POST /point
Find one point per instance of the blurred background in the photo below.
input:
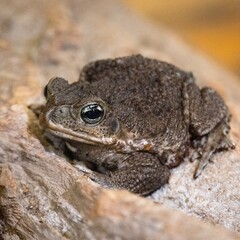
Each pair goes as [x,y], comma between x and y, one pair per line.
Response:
[212,26]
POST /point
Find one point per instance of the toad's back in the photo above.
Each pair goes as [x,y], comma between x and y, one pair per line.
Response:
[144,93]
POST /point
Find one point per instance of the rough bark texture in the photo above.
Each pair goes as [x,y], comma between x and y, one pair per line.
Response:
[42,196]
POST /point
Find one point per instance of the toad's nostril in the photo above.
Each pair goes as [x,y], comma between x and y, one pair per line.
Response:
[60,113]
[45,92]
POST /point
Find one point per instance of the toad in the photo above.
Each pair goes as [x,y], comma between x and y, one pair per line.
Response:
[134,118]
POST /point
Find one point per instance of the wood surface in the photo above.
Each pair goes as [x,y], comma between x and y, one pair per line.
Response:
[42,196]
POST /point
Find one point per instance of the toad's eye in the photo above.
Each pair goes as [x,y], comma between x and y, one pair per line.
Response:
[92,113]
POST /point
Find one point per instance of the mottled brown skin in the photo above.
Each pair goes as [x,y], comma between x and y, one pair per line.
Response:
[152,117]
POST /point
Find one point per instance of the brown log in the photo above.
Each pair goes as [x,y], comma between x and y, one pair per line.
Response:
[42,196]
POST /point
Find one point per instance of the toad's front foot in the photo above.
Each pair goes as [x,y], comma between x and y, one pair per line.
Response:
[138,175]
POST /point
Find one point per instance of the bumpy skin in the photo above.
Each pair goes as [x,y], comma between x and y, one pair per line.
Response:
[154,117]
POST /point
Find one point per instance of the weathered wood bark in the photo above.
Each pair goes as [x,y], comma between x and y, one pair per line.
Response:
[42,196]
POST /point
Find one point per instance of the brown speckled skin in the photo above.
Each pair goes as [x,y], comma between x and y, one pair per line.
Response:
[155,116]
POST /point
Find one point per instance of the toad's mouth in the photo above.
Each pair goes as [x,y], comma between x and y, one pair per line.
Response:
[60,131]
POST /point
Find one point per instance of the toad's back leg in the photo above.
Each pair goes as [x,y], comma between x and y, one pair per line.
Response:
[208,123]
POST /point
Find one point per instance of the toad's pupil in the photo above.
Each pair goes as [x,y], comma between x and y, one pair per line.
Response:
[92,113]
